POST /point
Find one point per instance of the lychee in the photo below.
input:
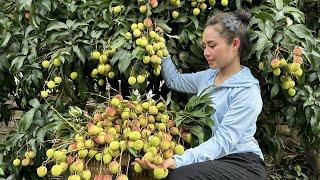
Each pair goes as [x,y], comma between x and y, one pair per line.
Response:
[179,149]
[41,171]
[137,168]
[159,173]
[114,167]
[56,170]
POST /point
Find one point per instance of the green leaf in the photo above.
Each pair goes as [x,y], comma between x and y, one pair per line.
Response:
[296,13]
[138,52]
[197,130]
[183,37]
[195,21]
[196,51]
[181,19]
[34,103]
[312,77]
[290,114]
[179,119]
[26,120]
[103,25]
[47,4]
[164,27]
[174,106]
[41,134]
[24,4]
[278,38]
[264,16]
[6,39]
[274,90]
[301,31]
[54,36]
[269,29]
[116,56]
[32,143]
[70,23]
[125,61]
[279,4]
[207,133]
[199,113]
[56,25]
[16,138]
[28,30]
[17,63]
[133,152]
[96,34]
[80,54]
[118,42]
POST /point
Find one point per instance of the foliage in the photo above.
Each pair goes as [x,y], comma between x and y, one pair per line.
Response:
[278,28]
[196,116]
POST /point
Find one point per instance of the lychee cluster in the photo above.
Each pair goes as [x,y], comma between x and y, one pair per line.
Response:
[103,68]
[27,160]
[54,81]
[118,129]
[153,45]
[287,71]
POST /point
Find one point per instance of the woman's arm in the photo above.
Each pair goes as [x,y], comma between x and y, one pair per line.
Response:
[241,115]
[187,83]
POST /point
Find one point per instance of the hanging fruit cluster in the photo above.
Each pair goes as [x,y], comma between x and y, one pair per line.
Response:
[103,69]
[54,77]
[288,71]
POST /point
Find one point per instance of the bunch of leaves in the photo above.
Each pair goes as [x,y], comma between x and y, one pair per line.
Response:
[196,116]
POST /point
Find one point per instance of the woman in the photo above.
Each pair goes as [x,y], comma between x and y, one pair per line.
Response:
[232,152]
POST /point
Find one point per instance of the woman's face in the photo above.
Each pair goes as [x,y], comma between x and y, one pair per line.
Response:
[215,49]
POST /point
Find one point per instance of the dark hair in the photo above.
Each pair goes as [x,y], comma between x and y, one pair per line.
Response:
[237,28]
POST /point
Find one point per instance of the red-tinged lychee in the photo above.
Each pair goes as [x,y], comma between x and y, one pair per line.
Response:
[114,167]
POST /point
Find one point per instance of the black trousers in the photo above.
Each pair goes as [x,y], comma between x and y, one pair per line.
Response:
[246,166]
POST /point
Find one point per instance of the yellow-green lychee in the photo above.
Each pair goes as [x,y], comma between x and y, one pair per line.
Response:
[137,168]
[41,171]
[159,173]
[16,162]
[51,84]
[179,149]
[57,62]
[45,64]
[95,55]
[56,170]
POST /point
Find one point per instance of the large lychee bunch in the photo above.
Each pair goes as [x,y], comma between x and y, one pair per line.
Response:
[117,130]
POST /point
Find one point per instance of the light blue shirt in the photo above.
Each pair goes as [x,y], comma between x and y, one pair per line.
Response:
[237,102]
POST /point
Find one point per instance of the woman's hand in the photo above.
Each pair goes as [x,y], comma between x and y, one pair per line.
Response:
[166,164]
[169,164]
[145,164]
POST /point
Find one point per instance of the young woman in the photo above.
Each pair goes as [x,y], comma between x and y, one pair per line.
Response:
[232,152]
